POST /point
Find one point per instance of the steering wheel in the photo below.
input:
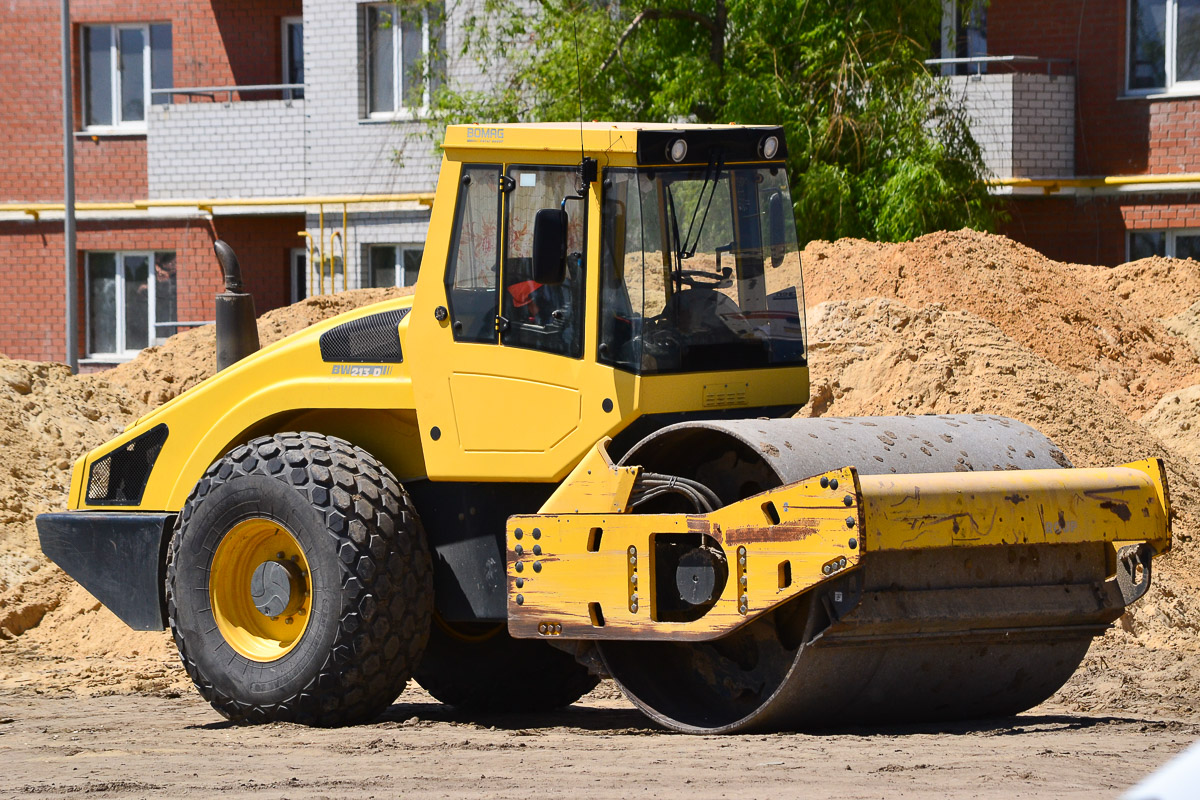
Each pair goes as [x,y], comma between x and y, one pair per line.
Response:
[701,278]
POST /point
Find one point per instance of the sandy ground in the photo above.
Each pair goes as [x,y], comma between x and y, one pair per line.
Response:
[143,746]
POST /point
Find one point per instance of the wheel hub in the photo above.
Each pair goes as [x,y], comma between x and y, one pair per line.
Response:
[260,589]
[277,588]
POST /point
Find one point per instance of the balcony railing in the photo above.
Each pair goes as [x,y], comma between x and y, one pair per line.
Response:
[288,91]
[980,63]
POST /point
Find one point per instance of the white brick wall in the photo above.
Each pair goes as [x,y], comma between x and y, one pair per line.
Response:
[224,150]
[1024,122]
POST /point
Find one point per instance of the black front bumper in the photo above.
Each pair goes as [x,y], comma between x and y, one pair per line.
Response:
[120,558]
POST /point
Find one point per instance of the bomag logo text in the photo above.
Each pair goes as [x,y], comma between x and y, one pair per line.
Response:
[480,134]
[352,371]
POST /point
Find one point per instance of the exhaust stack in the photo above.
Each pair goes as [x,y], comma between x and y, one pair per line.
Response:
[237,331]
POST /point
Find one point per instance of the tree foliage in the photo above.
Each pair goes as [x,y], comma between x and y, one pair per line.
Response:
[876,148]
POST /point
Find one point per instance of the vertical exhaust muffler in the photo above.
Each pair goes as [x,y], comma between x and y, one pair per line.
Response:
[237,331]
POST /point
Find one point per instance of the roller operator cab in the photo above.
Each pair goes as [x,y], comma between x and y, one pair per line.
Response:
[570,454]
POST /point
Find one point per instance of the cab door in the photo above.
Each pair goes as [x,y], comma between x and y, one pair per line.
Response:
[517,373]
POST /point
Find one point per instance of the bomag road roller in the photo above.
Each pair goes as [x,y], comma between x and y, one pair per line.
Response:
[572,453]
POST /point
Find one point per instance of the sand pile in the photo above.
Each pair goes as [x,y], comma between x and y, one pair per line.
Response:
[1098,324]
[48,418]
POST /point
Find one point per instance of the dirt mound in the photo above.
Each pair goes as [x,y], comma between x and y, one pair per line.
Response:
[1099,324]
[1186,325]
[1176,421]
[48,418]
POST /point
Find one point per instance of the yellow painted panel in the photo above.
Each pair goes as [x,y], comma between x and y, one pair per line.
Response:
[554,575]
[955,509]
[511,415]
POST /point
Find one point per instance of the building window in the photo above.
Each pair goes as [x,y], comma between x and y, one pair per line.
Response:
[404,64]
[1172,244]
[1164,45]
[964,35]
[394,264]
[127,309]
[299,273]
[293,56]
[122,66]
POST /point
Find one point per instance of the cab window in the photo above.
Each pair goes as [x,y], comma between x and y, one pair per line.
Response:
[473,264]
[534,315]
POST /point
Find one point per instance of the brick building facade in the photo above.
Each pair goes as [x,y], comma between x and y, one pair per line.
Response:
[1096,139]
[168,138]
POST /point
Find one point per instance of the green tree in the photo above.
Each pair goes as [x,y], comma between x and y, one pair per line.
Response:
[876,147]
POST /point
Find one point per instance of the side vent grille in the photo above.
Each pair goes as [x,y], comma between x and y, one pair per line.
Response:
[367,340]
[119,478]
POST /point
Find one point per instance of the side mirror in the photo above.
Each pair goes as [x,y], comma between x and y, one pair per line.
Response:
[777,228]
[550,246]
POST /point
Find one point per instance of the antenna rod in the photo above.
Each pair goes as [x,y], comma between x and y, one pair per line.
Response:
[578,81]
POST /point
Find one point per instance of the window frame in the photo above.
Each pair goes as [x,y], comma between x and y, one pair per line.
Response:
[1170,45]
[124,353]
[399,108]
[399,248]
[285,52]
[114,58]
[1170,235]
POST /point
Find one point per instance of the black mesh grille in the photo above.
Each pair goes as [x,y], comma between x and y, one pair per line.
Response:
[372,340]
[119,478]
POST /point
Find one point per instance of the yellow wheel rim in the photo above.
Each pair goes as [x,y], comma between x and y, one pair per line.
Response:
[260,589]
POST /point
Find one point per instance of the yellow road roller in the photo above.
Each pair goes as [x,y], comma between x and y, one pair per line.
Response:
[572,453]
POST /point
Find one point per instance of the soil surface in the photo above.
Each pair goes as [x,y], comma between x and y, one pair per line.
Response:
[1106,362]
[154,746]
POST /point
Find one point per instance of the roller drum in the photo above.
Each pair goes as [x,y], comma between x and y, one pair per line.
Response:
[910,636]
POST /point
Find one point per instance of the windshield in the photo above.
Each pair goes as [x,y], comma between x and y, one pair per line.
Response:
[700,270]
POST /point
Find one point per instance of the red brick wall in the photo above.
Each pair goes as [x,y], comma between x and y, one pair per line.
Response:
[31,281]
[215,43]
[1092,230]
[1114,135]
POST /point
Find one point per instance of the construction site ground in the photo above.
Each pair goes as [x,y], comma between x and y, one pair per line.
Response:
[1106,362]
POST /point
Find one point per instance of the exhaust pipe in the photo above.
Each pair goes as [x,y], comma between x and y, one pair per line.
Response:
[237,331]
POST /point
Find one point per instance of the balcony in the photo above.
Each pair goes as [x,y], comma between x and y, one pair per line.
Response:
[1023,120]
[219,141]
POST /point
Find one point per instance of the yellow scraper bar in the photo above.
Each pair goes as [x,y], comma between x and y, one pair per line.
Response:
[1041,506]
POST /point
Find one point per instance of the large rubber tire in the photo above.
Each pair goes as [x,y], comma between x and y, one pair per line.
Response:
[483,669]
[370,578]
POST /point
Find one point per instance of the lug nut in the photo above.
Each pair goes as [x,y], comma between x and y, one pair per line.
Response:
[279,555]
[288,621]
